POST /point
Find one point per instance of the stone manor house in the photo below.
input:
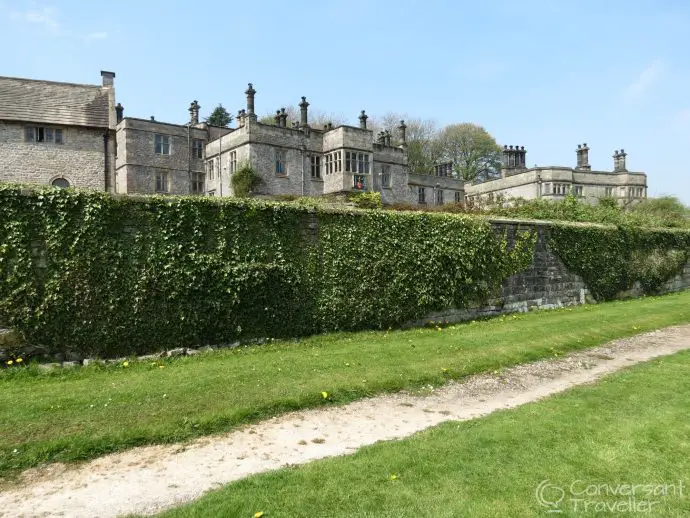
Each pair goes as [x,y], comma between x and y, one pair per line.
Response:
[72,135]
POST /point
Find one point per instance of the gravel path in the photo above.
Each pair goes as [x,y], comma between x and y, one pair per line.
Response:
[149,479]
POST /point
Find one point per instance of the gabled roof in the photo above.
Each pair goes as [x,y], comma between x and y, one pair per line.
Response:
[48,102]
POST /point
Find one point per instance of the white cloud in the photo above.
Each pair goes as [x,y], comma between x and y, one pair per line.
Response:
[645,80]
[46,16]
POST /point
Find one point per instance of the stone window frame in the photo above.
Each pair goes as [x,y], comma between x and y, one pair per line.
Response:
[608,191]
[198,182]
[280,162]
[578,191]
[44,135]
[165,143]
[162,181]
[357,162]
[233,161]
[439,197]
[198,148]
[55,178]
[457,197]
[211,170]
[386,176]
[315,166]
[421,195]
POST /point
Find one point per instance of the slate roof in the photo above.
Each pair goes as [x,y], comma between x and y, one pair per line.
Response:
[53,103]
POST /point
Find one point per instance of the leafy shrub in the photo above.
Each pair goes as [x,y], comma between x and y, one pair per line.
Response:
[366,200]
[244,181]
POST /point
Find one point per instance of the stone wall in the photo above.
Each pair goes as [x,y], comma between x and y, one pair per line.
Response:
[80,159]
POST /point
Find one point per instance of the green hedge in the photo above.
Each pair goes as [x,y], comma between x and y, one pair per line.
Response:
[109,275]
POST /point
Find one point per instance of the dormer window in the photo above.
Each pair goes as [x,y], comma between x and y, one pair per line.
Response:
[41,134]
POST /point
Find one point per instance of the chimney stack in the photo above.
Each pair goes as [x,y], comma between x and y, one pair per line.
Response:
[363,120]
[108,78]
[619,161]
[388,138]
[303,113]
[194,113]
[403,133]
[278,119]
[119,112]
[583,157]
[283,118]
[250,103]
[514,160]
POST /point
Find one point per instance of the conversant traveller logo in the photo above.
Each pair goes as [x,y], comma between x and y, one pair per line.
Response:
[592,497]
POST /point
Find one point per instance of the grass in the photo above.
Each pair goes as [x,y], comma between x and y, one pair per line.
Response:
[631,428]
[74,415]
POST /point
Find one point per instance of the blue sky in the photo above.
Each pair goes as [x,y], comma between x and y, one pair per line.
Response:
[546,74]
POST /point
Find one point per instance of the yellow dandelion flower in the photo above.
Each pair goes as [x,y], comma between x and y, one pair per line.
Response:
[161,366]
[324,395]
[19,360]
[259,514]
[9,362]
[125,364]
[444,369]
[393,476]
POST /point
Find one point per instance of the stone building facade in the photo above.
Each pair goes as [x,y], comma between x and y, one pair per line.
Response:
[58,134]
[297,159]
[552,182]
[73,135]
[162,158]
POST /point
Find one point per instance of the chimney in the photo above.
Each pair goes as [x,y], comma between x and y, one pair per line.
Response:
[278,119]
[387,138]
[619,161]
[119,112]
[583,157]
[194,113]
[283,118]
[153,118]
[108,78]
[403,133]
[363,120]
[250,102]
[381,138]
[303,113]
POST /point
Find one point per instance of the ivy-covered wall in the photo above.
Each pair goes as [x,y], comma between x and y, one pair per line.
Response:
[111,276]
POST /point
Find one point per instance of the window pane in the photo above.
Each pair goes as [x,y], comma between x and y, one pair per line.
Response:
[58,136]
[49,135]
[30,134]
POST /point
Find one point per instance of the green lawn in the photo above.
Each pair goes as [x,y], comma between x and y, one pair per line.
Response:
[630,429]
[80,414]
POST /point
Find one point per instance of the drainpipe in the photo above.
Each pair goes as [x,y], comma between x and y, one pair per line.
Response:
[220,165]
[303,148]
[189,158]
[106,175]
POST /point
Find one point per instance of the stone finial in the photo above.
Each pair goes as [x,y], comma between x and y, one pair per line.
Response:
[277,118]
[283,118]
[250,92]
[194,113]
[403,133]
[363,120]
[303,113]
[153,118]
[119,112]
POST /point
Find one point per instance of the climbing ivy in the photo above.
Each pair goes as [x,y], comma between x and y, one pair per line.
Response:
[112,276]
[244,181]
[612,259]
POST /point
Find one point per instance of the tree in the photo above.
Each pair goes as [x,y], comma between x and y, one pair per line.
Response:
[472,151]
[668,209]
[219,117]
[421,137]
